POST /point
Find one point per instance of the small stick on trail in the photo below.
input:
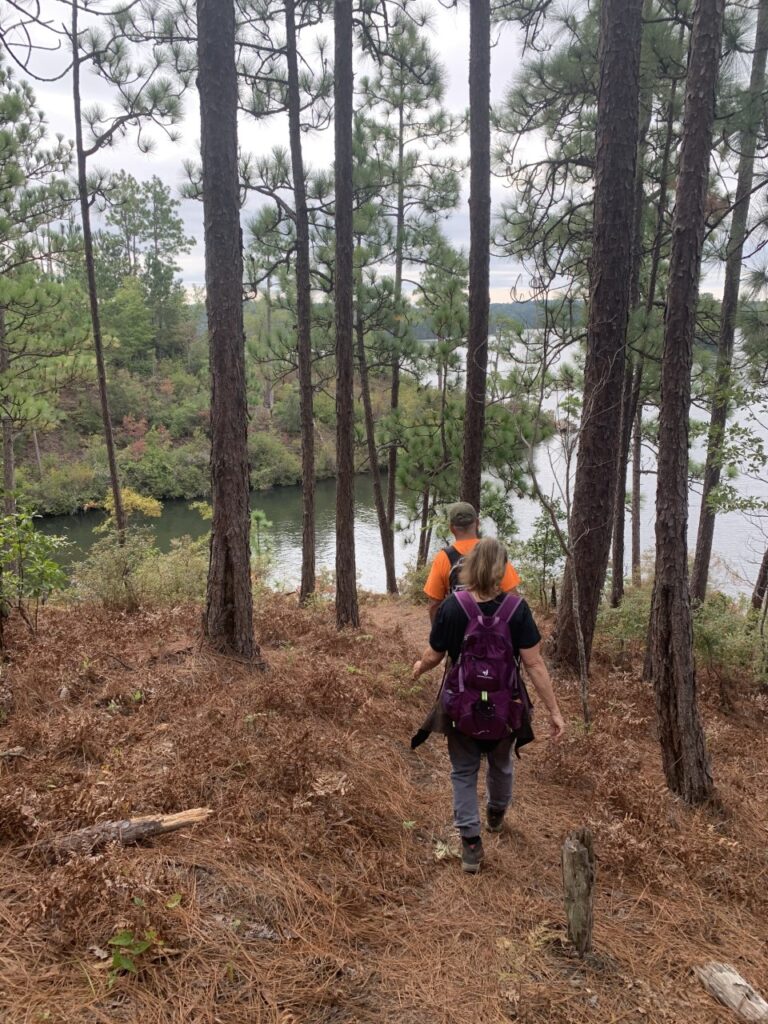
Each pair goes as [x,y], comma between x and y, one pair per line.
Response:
[130,830]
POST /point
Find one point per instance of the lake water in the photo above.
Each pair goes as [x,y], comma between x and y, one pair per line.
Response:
[737,552]
[738,548]
[282,506]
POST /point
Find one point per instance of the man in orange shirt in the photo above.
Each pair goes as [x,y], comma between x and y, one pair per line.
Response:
[444,574]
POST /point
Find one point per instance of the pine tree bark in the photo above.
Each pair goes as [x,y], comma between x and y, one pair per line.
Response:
[9,460]
[761,584]
[650,301]
[619,500]
[90,274]
[387,538]
[38,456]
[424,532]
[637,453]
[394,395]
[479,246]
[303,312]
[229,608]
[591,518]
[347,612]
[633,364]
[729,308]
[684,755]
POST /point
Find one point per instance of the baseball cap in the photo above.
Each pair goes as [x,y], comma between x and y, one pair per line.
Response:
[462,514]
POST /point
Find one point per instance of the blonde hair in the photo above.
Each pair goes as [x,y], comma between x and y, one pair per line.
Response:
[484,567]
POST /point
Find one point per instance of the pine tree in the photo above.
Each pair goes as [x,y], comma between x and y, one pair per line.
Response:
[611,267]
[403,110]
[229,610]
[347,613]
[686,765]
[107,52]
[479,246]
[33,193]
[753,114]
[276,84]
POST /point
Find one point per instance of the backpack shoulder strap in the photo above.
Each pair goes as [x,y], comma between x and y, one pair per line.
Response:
[468,604]
[509,606]
[452,554]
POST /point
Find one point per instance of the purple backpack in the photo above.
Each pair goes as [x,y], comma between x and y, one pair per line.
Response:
[483,695]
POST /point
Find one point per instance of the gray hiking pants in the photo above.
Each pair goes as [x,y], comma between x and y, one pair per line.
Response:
[465,755]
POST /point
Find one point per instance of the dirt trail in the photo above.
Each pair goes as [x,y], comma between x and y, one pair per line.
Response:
[322,889]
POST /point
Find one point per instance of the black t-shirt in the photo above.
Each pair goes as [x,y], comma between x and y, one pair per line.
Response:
[451,623]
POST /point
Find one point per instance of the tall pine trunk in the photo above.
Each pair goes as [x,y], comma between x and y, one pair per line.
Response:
[650,301]
[387,538]
[229,608]
[9,462]
[753,112]
[637,453]
[684,755]
[90,273]
[591,518]
[424,533]
[761,584]
[479,246]
[303,312]
[394,395]
[347,613]
[632,366]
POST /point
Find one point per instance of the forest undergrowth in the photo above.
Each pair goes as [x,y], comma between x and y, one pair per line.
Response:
[324,887]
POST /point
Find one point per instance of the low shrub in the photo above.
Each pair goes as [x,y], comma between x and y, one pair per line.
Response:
[29,567]
[65,487]
[176,577]
[154,466]
[109,574]
[411,583]
[273,462]
[135,574]
[725,640]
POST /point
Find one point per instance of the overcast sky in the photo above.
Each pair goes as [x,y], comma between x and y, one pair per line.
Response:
[450,39]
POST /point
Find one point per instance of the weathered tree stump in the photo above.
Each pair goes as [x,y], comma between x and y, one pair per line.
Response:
[131,830]
[730,989]
[578,860]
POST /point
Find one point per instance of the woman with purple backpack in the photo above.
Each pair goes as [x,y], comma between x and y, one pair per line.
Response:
[483,707]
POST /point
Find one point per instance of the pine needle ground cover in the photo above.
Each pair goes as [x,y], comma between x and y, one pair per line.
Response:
[324,886]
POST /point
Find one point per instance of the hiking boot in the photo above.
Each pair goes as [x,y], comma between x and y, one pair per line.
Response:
[471,855]
[494,819]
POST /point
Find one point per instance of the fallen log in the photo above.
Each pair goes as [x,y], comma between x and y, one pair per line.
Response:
[578,861]
[729,988]
[12,752]
[130,830]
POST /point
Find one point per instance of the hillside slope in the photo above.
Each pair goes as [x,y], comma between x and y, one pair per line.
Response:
[320,891]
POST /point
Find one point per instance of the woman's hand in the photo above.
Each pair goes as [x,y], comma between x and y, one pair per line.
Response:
[556,726]
[417,669]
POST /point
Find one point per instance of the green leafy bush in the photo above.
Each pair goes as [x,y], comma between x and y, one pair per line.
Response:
[152,465]
[135,574]
[109,574]
[540,559]
[65,487]
[286,412]
[725,641]
[29,571]
[176,577]
[411,583]
[273,462]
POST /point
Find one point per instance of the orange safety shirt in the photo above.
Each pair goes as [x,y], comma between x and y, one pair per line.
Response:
[437,585]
